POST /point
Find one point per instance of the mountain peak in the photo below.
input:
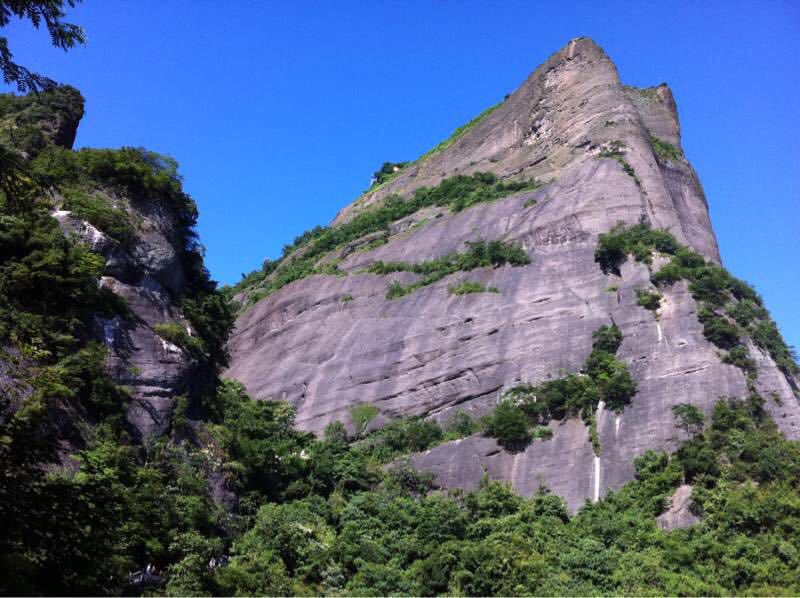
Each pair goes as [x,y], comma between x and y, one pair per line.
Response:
[397,305]
[568,110]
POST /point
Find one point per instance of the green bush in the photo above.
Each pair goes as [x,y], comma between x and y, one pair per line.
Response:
[668,275]
[689,419]
[746,312]
[665,151]
[48,287]
[738,356]
[386,172]
[460,425]
[639,240]
[26,118]
[468,286]
[457,192]
[614,382]
[141,172]
[479,254]
[617,152]
[767,336]
[718,330]
[710,285]
[100,213]
[543,433]
[606,378]
[509,425]
[178,335]
[648,299]
[362,416]
[403,436]
[607,338]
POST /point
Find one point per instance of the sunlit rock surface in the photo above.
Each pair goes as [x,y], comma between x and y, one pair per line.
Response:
[429,353]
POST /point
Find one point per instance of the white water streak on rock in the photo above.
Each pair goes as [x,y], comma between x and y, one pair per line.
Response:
[600,406]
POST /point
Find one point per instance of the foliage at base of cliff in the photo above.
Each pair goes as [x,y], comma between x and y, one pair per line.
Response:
[329,517]
[79,522]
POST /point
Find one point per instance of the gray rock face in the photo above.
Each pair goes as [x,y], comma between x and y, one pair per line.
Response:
[148,277]
[430,353]
[679,513]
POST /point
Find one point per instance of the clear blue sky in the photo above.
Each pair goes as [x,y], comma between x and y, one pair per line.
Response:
[279,112]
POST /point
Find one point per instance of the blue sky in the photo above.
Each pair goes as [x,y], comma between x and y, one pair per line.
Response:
[279,112]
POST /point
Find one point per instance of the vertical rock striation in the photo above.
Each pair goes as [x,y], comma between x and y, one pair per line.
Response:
[325,343]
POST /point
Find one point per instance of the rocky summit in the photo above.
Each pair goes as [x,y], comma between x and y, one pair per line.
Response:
[387,319]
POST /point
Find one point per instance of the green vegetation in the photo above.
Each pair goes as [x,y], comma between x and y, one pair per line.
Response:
[665,151]
[326,517]
[459,132]
[23,119]
[137,175]
[509,424]
[470,286]
[718,330]
[48,287]
[739,357]
[178,335]
[386,172]
[607,338]
[460,425]
[616,151]
[689,419]
[604,378]
[340,515]
[649,299]
[729,307]
[79,527]
[62,35]
[480,254]
[100,213]
[300,258]
[362,416]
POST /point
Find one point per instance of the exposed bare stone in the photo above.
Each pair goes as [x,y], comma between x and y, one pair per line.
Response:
[679,514]
[429,353]
[148,277]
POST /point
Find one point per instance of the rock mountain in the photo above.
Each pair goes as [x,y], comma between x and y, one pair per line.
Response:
[602,153]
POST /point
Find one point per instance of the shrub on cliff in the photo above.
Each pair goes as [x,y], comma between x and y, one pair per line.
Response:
[479,254]
[607,338]
[710,285]
[508,424]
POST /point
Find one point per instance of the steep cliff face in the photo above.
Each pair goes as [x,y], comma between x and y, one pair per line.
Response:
[127,207]
[149,276]
[603,153]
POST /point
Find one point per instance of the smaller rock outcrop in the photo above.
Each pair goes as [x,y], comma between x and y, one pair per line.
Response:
[679,514]
[31,122]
